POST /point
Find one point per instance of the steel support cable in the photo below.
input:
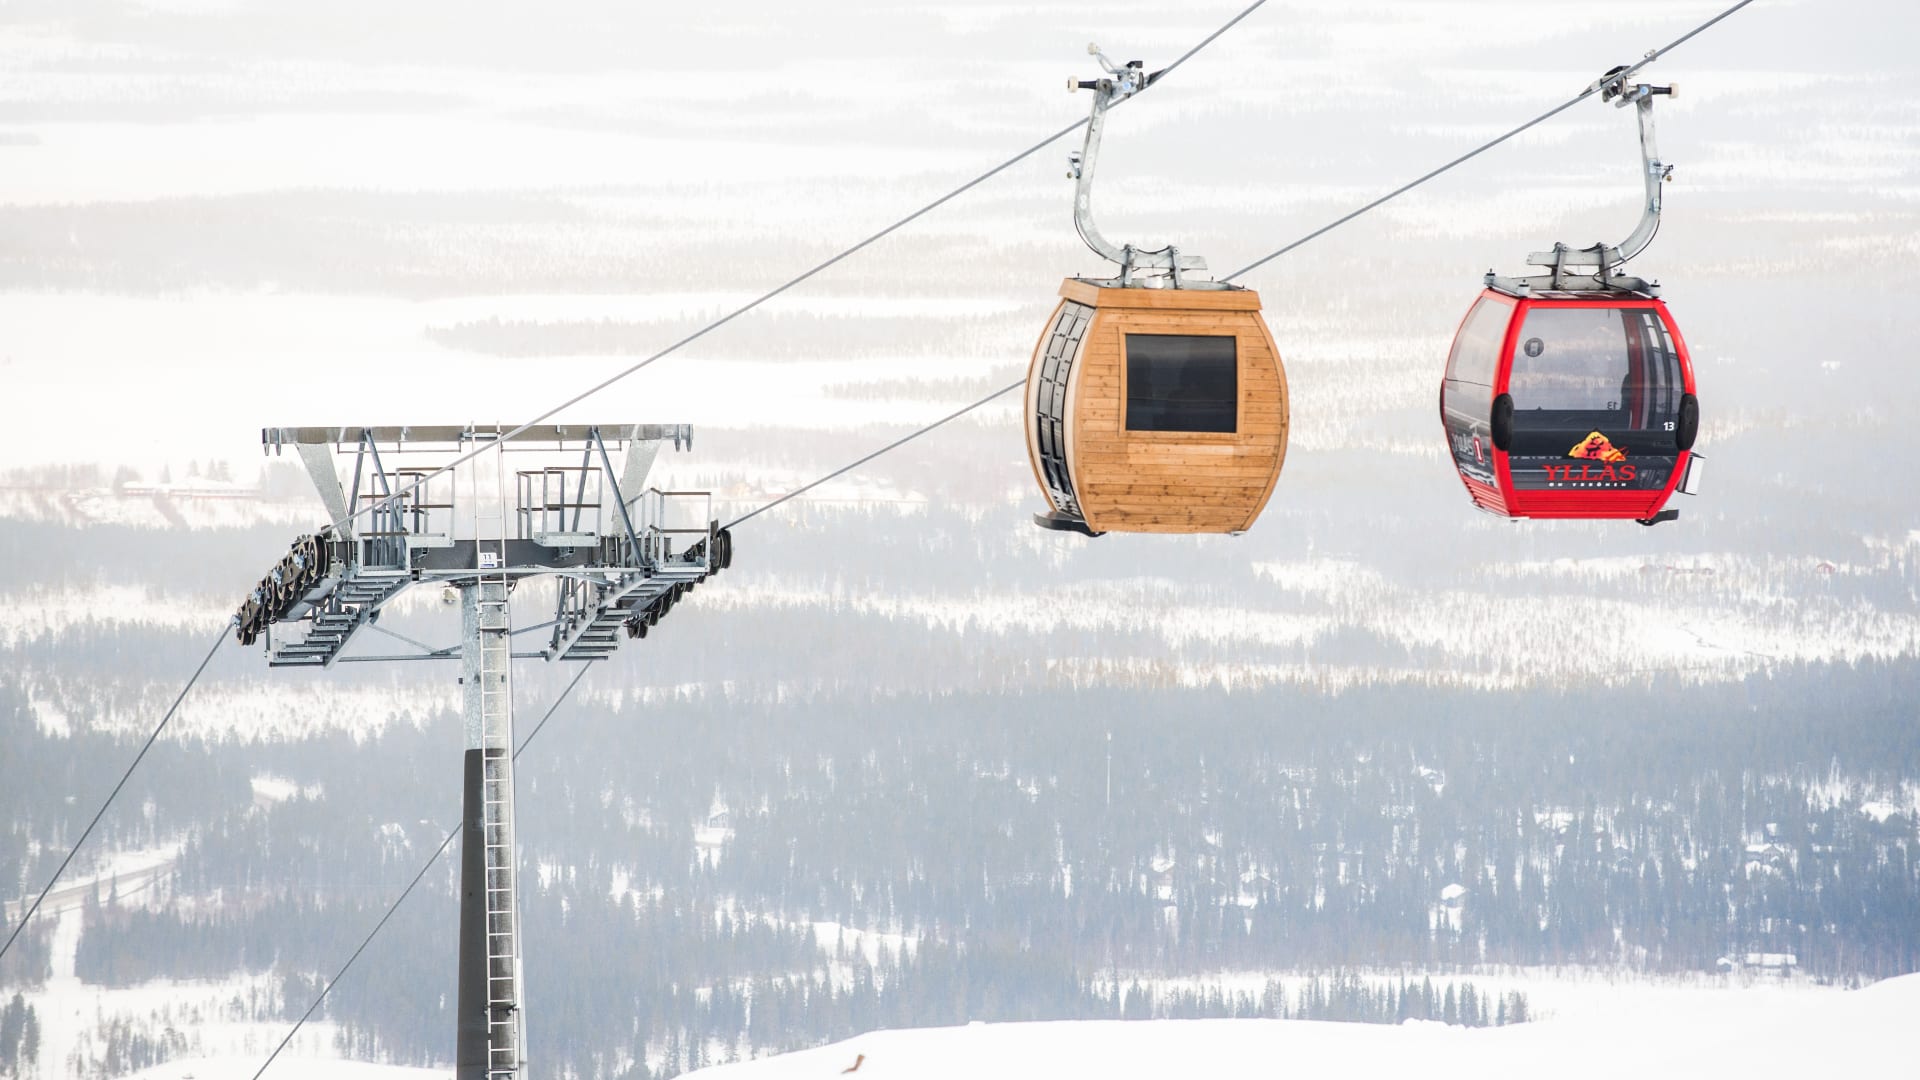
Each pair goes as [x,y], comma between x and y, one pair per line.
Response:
[1626,73]
[411,885]
[124,777]
[894,445]
[1315,234]
[790,283]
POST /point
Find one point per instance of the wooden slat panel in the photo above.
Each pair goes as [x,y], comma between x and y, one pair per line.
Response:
[1150,509]
[1110,471]
[1114,450]
[1179,493]
[1143,522]
[1202,323]
[1198,449]
[1132,448]
[1154,511]
[1122,451]
[1192,299]
[1272,369]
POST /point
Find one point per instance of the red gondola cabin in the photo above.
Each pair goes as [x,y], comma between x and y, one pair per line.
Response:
[1570,405]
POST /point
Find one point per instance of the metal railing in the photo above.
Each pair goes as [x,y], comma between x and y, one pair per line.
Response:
[559,499]
[674,527]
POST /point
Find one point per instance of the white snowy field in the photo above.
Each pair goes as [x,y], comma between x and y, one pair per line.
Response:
[1751,1033]
[207,1016]
[242,1067]
[1606,1028]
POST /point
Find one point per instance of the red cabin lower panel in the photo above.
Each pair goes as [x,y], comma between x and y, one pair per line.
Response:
[1485,497]
[1585,493]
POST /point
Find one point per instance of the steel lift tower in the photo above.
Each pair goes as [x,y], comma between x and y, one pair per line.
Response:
[551,502]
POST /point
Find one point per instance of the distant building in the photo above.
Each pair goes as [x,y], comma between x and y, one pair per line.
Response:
[1766,857]
[1778,965]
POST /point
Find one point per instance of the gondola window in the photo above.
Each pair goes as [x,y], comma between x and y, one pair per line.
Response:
[1182,382]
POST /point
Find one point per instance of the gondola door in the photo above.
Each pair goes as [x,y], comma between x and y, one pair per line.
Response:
[1592,414]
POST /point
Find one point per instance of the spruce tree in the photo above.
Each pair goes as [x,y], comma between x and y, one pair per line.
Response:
[30,1042]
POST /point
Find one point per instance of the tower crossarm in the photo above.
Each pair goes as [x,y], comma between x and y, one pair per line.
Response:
[414,503]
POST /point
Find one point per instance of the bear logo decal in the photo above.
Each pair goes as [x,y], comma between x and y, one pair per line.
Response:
[1597,447]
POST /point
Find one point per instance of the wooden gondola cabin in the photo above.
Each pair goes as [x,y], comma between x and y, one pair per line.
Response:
[1160,410]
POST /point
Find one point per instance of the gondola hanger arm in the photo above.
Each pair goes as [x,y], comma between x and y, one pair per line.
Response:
[1121,82]
[1607,260]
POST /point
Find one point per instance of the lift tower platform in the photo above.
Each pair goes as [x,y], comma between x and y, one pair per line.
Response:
[551,502]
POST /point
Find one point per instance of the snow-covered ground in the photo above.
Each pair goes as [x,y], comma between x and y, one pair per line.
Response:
[243,1067]
[208,1014]
[1593,1024]
[1767,1031]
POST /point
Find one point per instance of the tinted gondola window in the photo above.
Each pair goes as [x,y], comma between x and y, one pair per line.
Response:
[1181,382]
[1612,365]
[1476,350]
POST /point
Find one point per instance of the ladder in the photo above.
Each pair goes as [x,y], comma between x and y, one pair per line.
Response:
[505,1036]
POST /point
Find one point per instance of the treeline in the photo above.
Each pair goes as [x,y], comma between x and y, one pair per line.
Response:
[679,1028]
[121,1045]
[30,961]
[19,1038]
[124,945]
[1345,998]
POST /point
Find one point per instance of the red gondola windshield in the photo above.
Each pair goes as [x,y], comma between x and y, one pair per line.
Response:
[1568,406]
[1593,383]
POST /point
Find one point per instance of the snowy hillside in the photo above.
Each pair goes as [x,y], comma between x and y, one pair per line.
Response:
[1753,1034]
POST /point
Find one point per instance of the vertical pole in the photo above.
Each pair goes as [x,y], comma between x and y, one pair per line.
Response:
[490,1042]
